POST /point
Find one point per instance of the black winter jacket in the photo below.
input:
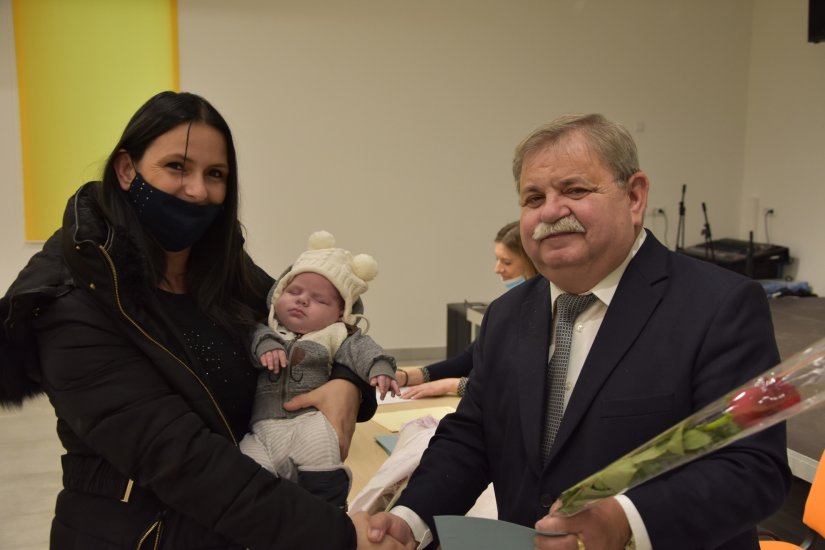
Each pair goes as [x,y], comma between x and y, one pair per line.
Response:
[151,461]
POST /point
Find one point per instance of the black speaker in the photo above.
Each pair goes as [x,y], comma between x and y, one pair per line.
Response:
[816,21]
[459,329]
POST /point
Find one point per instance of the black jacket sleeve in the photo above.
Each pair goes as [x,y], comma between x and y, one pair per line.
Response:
[454,367]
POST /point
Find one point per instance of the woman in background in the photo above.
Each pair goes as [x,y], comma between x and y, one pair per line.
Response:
[452,375]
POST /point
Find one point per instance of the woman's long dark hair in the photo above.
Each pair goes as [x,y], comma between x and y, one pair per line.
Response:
[225,283]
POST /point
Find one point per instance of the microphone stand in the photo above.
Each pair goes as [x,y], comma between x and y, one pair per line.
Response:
[749,257]
[706,233]
[680,229]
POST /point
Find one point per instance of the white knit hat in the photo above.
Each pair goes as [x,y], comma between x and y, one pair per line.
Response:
[349,274]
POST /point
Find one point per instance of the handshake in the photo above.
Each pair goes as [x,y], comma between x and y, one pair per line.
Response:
[383,530]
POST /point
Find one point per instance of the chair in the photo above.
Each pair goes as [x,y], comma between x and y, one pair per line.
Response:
[813,517]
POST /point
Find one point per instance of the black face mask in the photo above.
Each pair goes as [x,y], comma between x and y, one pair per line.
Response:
[173,222]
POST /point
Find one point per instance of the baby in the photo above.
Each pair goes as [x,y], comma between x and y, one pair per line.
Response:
[311,325]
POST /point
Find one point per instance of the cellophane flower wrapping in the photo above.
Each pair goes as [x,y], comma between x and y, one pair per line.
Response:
[793,387]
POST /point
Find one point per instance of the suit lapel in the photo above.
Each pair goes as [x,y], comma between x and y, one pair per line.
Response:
[534,344]
[639,292]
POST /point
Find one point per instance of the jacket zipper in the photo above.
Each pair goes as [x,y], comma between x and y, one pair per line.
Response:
[161,346]
[156,527]
[285,377]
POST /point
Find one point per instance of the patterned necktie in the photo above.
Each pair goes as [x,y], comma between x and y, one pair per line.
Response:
[568,307]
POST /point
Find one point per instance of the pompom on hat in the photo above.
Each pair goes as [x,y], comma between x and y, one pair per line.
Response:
[349,274]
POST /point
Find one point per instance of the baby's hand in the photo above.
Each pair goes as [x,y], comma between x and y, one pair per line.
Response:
[274,360]
[384,383]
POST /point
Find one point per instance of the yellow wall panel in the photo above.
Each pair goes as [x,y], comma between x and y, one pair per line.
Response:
[83,68]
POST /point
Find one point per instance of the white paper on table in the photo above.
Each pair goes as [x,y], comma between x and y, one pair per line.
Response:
[389,399]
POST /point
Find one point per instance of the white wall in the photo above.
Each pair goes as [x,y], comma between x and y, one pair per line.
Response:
[392,124]
[785,138]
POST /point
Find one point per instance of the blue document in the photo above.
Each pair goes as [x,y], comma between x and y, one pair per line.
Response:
[387,442]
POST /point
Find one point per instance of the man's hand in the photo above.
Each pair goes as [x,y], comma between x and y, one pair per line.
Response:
[338,401]
[364,528]
[432,389]
[385,525]
[601,526]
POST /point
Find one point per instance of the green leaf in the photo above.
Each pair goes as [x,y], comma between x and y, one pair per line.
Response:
[675,444]
[696,439]
[720,423]
[617,476]
[648,454]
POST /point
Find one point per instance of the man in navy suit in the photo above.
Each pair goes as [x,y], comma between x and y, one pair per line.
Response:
[665,335]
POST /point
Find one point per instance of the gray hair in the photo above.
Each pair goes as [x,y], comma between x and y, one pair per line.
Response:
[609,140]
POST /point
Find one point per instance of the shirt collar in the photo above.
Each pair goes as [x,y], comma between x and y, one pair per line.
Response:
[606,288]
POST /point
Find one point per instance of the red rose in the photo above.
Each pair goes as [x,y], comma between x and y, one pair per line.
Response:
[753,404]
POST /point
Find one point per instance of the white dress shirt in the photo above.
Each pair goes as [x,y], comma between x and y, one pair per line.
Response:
[584,334]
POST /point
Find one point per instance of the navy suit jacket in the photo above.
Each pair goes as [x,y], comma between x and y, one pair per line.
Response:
[678,334]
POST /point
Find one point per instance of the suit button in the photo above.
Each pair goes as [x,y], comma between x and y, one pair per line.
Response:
[546,501]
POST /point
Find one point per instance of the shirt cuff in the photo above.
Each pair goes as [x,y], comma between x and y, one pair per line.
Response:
[637,525]
[420,530]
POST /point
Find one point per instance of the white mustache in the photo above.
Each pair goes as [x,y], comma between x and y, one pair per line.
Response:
[568,224]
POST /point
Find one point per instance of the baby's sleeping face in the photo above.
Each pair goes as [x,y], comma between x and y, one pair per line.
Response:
[309,303]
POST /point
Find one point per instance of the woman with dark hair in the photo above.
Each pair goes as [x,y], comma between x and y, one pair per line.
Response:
[452,375]
[133,320]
